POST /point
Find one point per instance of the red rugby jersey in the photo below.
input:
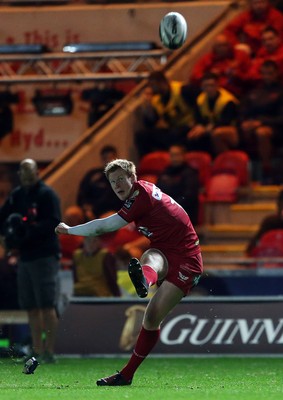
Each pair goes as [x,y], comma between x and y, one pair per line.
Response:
[160,218]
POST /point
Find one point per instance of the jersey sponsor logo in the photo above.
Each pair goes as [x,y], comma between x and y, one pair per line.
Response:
[129,202]
[144,231]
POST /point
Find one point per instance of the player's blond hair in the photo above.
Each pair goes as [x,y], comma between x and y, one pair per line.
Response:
[126,165]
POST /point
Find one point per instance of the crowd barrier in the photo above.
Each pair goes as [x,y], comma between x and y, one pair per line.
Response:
[197,326]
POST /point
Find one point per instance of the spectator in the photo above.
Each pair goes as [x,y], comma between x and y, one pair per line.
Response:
[126,242]
[165,117]
[261,118]
[95,270]
[230,64]
[75,216]
[215,117]
[274,221]
[94,191]
[180,181]
[27,220]
[271,49]
[246,28]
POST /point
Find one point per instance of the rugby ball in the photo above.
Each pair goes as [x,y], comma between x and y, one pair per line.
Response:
[173,30]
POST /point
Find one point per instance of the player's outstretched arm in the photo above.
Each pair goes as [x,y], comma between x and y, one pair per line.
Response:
[62,229]
[95,227]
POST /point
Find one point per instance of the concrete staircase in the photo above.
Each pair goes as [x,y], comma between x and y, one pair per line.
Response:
[228,227]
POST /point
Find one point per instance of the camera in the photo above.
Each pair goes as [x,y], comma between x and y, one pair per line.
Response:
[14,231]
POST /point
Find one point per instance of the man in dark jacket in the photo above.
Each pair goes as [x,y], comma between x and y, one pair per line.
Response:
[27,222]
[94,190]
[181,182]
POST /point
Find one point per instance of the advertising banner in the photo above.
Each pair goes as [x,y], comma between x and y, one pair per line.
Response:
[207,328]
[42,138]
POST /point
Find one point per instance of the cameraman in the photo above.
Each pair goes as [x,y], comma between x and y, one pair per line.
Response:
[27,222]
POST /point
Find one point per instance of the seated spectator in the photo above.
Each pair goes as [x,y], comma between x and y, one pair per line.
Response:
[271,222]
[125,243]
[181,182]
[165,114]
[95,270]
[230,64]
[261,118]
[271,49]
[215,118]
[246,28]
[94,190]
[69,243]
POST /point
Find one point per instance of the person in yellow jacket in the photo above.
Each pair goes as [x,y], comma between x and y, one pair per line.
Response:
[216,112]
[95,270]
[164,115]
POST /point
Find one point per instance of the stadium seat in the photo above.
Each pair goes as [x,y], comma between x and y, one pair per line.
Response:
[152,178]
[201,161]
[222,187]
[270,245]
[233,162]
[153,163]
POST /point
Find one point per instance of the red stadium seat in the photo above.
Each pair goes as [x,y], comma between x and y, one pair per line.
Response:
[201,161]
[270,245]
[222,187]
[152,178]
[235,162]
[153,163]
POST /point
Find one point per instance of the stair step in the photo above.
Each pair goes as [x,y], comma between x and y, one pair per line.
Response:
[264,192]
[227,232]
[251,213]
[268,207]
[222,250]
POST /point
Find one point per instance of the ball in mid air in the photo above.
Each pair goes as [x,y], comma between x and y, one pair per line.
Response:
[173,30]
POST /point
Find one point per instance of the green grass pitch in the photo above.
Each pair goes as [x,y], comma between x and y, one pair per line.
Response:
[157,378]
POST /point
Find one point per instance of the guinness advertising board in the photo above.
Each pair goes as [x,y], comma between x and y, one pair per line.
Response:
[193,327]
